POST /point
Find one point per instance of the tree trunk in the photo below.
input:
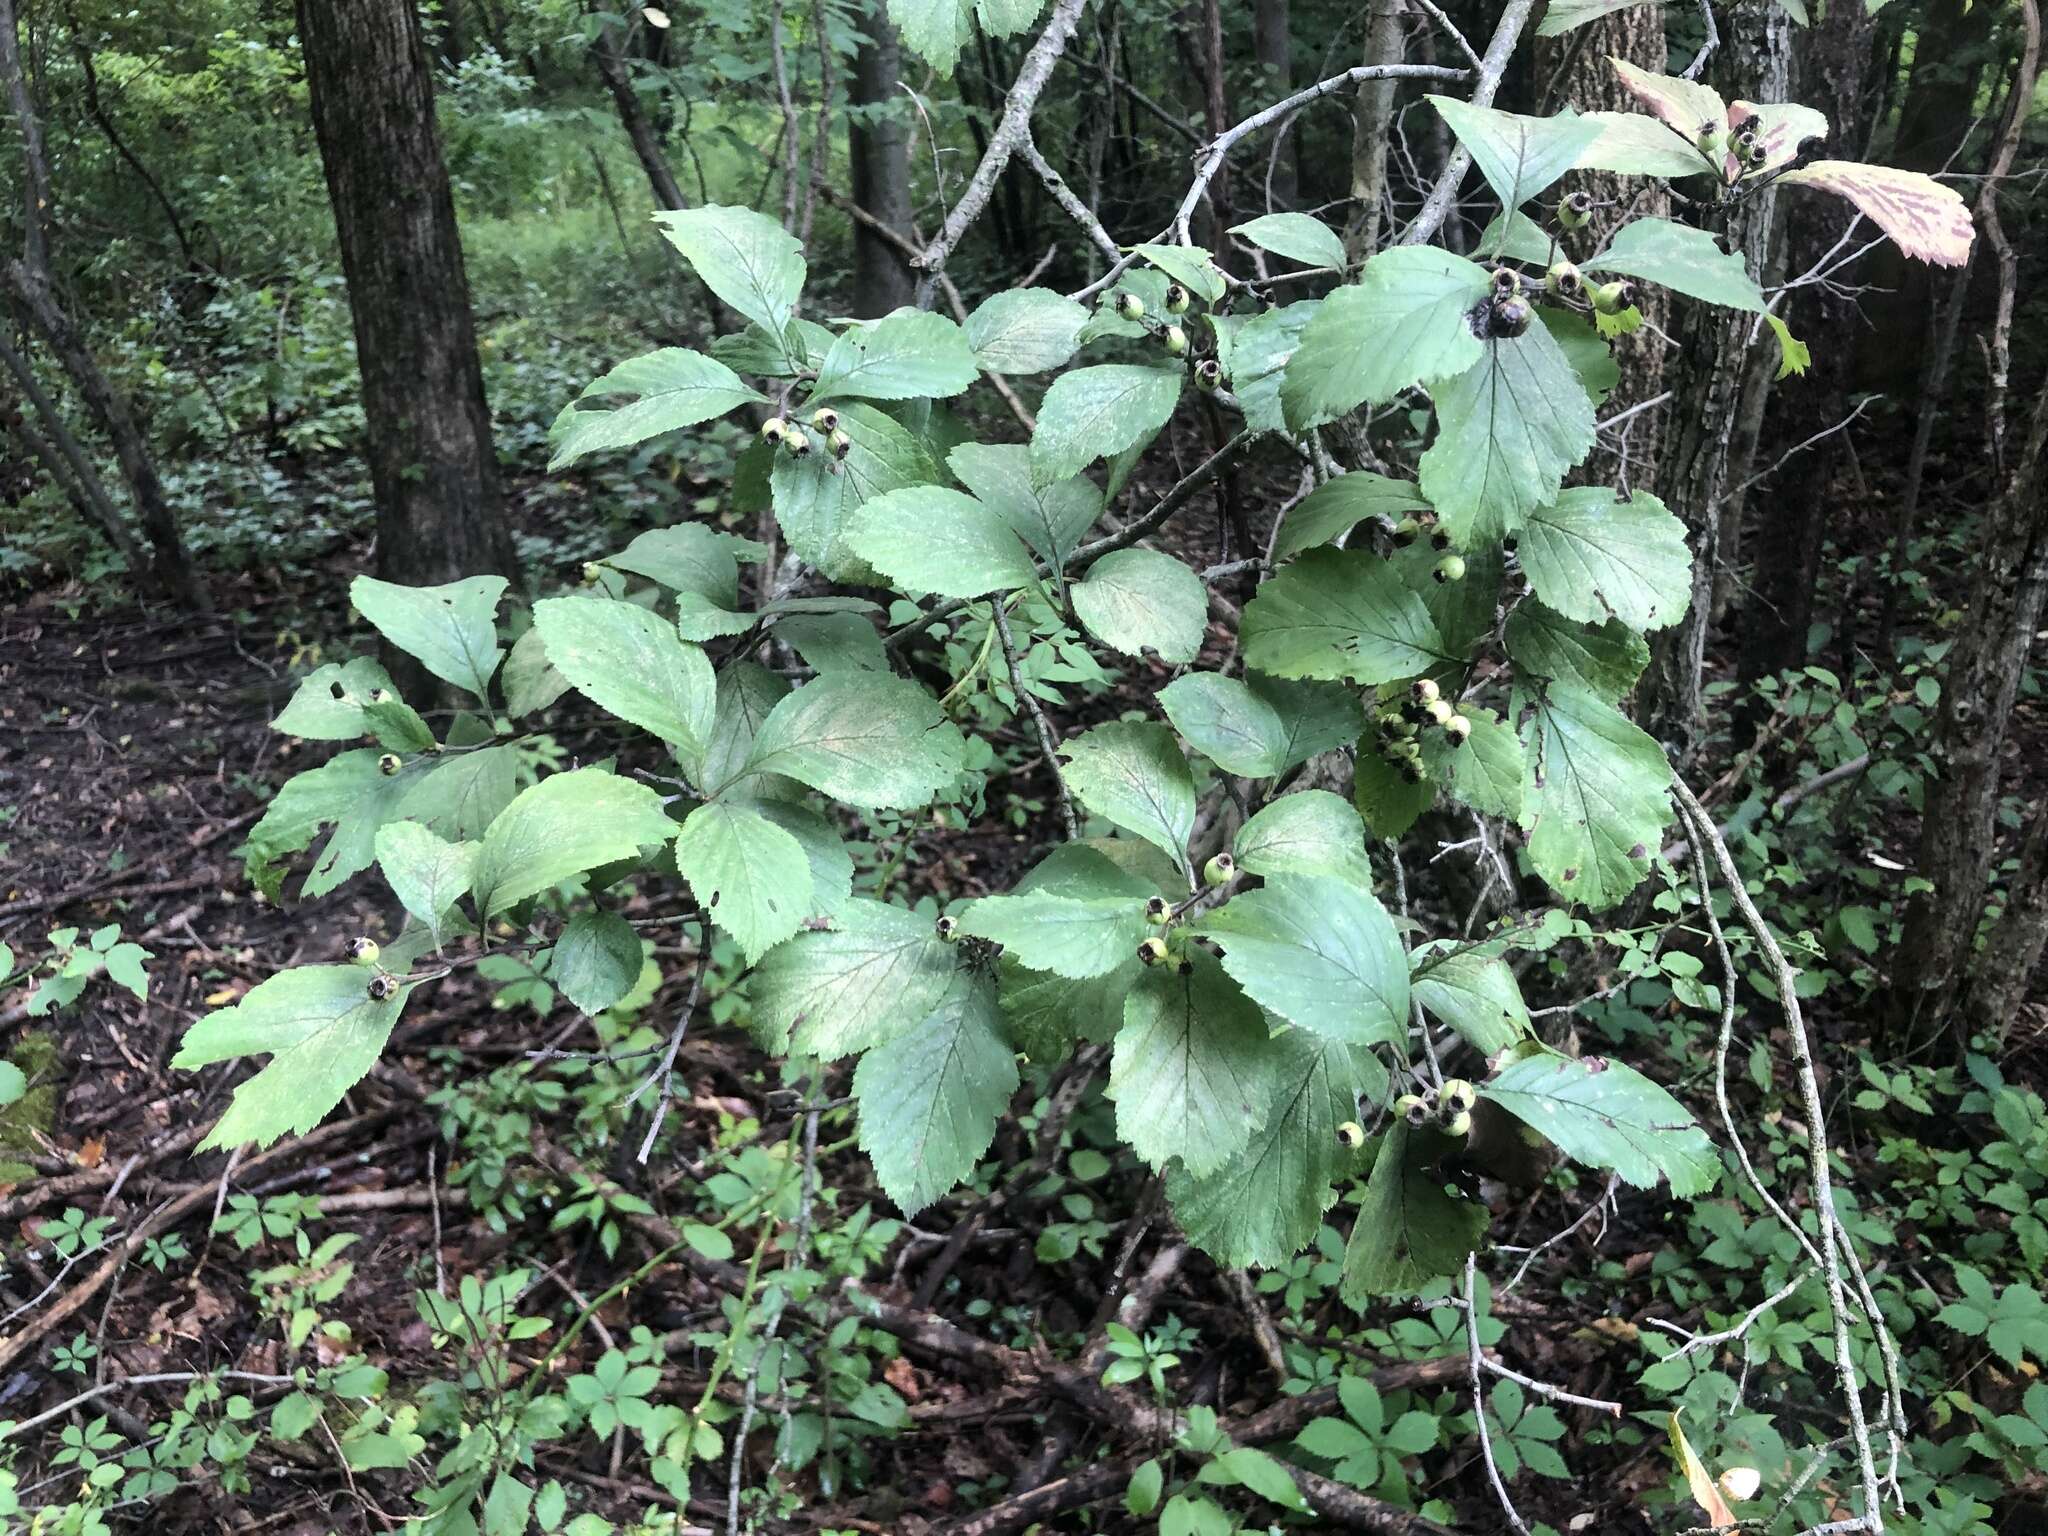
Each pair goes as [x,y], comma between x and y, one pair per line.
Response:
[879,151]
[1998,983]
[1958,828]
[1704,457]
[1273,43]
[1790,534]
[661,177]
[1372,119]
[1584,79]
[429,440]
[64,461]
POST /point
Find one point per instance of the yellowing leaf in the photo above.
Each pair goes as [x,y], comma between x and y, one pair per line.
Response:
[1704,1493]
[1926,219]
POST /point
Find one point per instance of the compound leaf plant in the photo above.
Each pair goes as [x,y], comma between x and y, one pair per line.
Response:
[1464,637]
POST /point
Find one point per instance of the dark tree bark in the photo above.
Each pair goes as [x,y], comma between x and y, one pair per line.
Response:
[429,440]
[1372,120]
[1792,529]
[879,150]
[640,131]
[63,460]
[1273,45]
[1706,456]
[1998,983]
[1958,829]
[34,296]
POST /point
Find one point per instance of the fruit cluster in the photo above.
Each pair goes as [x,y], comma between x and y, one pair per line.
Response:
[1400,722]
[797,443]
[1449,1108]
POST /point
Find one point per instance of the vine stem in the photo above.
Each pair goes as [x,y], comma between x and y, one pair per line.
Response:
[1831,1236]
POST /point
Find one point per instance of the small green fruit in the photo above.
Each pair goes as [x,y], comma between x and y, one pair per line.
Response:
[1563,280]
[1130,306]
[1459,1126]
[1351,1134]
[1456,1094]
[1208,375]
[363,951]
[797,444]
[1450,568]
[1220,870]
[1158,911]
[1573,211]
[1413,1108]
[772,430]
[1612,298]
[382,986]
[389,764]
[1711,140]
[825,419]
[1512,316]
[1413,773]
[1174,339]
[1406,532]
[1506,280]
[1176,300]
[1440,711]
[593,573]
[948,928]
[1424,690]
[1458,728]
[840,444]
[1152,951]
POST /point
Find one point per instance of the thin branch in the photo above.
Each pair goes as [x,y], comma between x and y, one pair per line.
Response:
[1442,196]
[1477,1364]
[1048,738]
[1708,45]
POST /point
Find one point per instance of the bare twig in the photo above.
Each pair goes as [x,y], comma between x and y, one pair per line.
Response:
[1048,738]
[1437,206]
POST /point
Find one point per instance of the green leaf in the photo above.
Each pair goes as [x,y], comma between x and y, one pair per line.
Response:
[872,740]
[1308,832]
[1683,259]
[329,703]
[1404,322]
[663,391]
[1608,1115]
[1315,717]
[1187,1066]
[746,258]
[908,354]
[428,874]
[1586,348]
[824,849]
[1092,413]
[930,1097]
[1519,156]
[1135,601]
[1630,144]
[629,662]
[1297,237]
[935,30]
[1507,431]
[1074,938]
[1337,506]
[1794,356]
[686,557]
[1226,722]
[815,497]
[1248,1466]
[1562,16]
[747,692]
[1135,777]
[1474,994]
[1340,614]
[449,629]
[350,790]
[748,874]
[596,960]
[322,1031]
[1410,1229]
[1321,953]
[1255,354]
[562,826]
[13,1083]
[832,992]
[1596,804]
[1190,266]
[930,539]
[531,684]
[1046,1014]
[1605,660]
[1485,773]
[462,794]
[1591,557]
[1050,518]
[1266,1204]
[1389,804]
[1025,330]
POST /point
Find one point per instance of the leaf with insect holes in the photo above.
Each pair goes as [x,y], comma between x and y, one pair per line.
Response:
[749,875]
[450,630]
[1607,1115]
[1597,798]
[1593,557]
[1138,601]
[830,992]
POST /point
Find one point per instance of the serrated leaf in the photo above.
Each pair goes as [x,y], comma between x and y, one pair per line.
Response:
[1069,937]
[746,258]
[1226,722]
[529,680]
[1562,16]
[1924,218]
[1132,775]
[427,874]
[1485,773]
[1507,432]
[749,875]
[870,739]
[908,354]
[1597,800]
[1092,413]
[935,30]
[560,827]
[1388,802]
[1592,558]
[832,992]
[1605,660]
[1025,330]
[1296,236]
[816,497]
[1402,323]
[1409,1230]
[1189,265]
[1519,156]
[1137,600]
[664,391]
[1337,506]
[451,630]
[1266,1204]
[1340,614]
[1630,144]
[631,663]
[687,557]
[1255,355]
[1321,953]
[930,539]
[1683,259]
[1308,832]
[930,1097]
[322,1031]
[328,704]
[1608,1115]
[1474,993]
[1688,107]
[1187,1066]
[1050,518]
[596,961]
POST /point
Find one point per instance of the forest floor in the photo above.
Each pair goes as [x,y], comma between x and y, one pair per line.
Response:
[134,751]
